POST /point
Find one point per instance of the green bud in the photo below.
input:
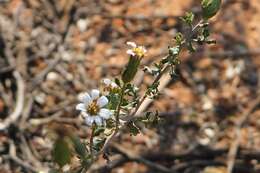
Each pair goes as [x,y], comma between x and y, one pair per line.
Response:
[131,69]
[210,8]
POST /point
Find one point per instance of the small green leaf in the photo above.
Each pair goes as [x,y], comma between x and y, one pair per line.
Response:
[133,129]
[98,143]
[113,101]
[79,147]
[117,81]
[190,47]
[98,130]
[61,152]
[179,38]
[188,18]
[174,50]
[210,8]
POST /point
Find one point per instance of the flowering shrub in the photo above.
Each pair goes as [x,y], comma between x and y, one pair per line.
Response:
[114,108]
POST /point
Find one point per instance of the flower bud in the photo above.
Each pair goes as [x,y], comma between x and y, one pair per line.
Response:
[210,8]
[131,69]
[136,54]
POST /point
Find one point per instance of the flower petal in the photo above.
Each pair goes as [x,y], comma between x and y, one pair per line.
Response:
[105,113]
[143,49]
[98,120]
[107,81]
[130,52]
[114,85]
[84,114]
[102,101]
[132,44]
[89,120]
[81,107]
[94,94]
[84,97]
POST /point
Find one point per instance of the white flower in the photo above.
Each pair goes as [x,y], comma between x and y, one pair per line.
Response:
[92,107]
[110,85]
[138,51]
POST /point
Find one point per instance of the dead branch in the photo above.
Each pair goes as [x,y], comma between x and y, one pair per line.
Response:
[232,153]
[19,103]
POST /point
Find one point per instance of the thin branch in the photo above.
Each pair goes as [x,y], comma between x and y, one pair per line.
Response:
[232,154]
[19,103]
[133,157]
[12,156]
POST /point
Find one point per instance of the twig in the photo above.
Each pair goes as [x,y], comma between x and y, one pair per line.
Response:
[19,103]
[131,156]
[165,80]
[235,145]
[91,139]
[26,112]
[40,77]
[197,157]
[12,155]
[117,114]
[55,117]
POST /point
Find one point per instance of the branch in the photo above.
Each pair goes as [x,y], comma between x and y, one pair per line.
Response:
[235,145]
[19,103]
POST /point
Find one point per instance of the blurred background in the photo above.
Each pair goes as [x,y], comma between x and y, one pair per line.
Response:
[52,50]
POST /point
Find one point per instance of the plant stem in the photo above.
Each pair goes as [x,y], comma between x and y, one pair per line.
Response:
[158,77]
[197,25]
[119,106]
[91,139]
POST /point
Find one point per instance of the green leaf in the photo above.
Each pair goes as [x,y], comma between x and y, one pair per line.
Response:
[210,8]
[98,130]
[190,47]
[133,129]
[79,147]
[179,38]
[61,152]
[117,81]
[113,101]
[188,18]
[174,50]
[98,143]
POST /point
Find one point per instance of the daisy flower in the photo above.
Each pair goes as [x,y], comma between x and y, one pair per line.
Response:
[92,107]
[138,51]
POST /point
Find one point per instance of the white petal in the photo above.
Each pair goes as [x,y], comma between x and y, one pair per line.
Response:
[84,114]
[132,44]
[107,81]
[81,107]
[98,120]
[130,52]
[143,49]
[89,120]
[84,97]
[105,113]
[102,101]
[94,94]
[114,85]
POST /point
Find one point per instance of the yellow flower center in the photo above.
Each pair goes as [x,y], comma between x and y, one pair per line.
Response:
[139,51]
[93,108]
